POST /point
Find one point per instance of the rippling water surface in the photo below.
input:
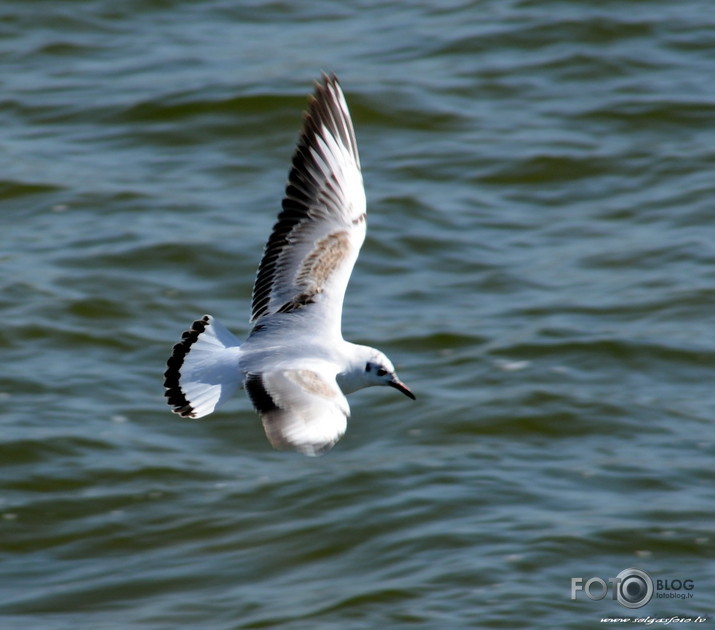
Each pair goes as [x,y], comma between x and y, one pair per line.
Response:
[539,264]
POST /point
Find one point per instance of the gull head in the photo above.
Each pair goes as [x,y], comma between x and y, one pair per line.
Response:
[371,367]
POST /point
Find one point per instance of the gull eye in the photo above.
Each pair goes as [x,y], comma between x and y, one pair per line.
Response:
[381,371]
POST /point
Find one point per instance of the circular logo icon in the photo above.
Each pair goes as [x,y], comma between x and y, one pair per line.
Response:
[635,588]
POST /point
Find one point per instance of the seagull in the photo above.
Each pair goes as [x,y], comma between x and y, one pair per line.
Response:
[295,365]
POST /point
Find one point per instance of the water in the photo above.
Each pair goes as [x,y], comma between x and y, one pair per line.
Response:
[539,265]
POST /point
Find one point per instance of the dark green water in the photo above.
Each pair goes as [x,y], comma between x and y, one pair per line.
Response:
[539,264]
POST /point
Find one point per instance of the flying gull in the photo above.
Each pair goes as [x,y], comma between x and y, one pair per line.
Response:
[295,365]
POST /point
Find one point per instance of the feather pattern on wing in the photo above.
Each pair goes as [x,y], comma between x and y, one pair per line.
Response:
[314,244]
[301,410]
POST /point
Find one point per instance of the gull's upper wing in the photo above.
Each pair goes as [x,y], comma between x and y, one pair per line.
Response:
[301,409]
[314,244]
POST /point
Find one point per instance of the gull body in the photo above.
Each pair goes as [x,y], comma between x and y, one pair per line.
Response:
[295,365]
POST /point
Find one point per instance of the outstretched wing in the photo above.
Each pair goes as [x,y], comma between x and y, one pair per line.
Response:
[300,409]
[314,244]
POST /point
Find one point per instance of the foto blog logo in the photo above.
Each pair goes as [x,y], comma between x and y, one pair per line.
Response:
[633,588]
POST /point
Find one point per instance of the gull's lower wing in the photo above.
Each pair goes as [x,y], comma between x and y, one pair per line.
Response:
[301,409]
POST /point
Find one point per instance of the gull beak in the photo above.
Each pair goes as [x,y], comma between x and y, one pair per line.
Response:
[400,386]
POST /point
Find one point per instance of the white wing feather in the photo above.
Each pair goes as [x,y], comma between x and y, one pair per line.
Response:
[300,409]
[314,244]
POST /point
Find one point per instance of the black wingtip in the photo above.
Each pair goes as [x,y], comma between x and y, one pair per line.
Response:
[327,77]
[174,394]
[257,392]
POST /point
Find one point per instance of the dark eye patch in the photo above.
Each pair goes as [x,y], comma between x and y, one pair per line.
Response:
[381,371]
[368,367]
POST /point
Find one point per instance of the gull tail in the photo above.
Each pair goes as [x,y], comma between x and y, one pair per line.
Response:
[203,370]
